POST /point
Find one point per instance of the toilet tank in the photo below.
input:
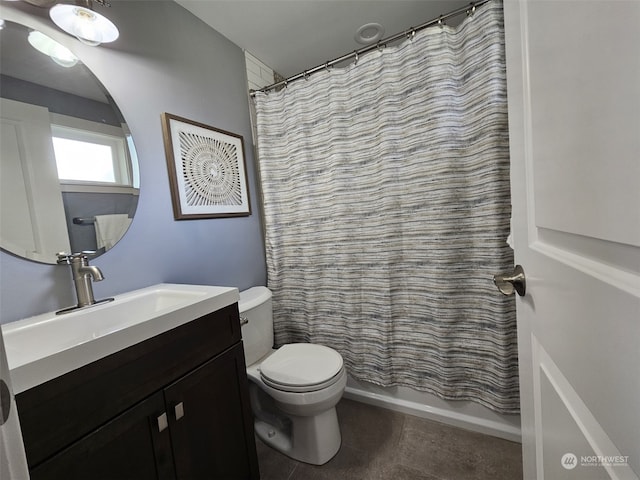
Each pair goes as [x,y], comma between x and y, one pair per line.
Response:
[257,333]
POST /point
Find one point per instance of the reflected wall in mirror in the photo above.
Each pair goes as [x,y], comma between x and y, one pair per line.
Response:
[68,169]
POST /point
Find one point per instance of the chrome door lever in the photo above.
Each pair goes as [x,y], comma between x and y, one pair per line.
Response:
[508,284]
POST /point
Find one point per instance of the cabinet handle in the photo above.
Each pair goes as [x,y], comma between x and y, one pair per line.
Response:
[179,409]
[163,423]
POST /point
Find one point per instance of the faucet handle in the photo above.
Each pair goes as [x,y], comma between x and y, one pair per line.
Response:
[66,258]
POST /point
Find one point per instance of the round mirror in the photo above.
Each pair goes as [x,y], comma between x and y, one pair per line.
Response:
[69,177]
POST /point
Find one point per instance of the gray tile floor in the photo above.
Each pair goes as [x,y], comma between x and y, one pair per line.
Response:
[379,444]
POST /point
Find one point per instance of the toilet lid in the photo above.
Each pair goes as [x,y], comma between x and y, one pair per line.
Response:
[298,364]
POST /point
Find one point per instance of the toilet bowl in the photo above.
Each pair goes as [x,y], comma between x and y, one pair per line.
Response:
[293,389]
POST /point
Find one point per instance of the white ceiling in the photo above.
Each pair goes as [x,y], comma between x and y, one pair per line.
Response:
[288,35]
[295,35]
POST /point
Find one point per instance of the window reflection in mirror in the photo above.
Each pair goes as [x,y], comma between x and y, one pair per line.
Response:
[68,170]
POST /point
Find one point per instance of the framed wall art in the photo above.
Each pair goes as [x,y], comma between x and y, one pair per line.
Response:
[207,172]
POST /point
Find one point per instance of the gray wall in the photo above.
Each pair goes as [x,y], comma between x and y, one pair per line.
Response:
[58,102]
[165,60]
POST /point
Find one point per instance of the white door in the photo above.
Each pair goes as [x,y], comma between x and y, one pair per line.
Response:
[13,462]
[573,75]
[32,218]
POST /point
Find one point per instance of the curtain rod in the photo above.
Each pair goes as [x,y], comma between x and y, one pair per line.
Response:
[469,10]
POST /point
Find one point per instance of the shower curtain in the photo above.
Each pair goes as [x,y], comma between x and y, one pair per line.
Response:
[386,202]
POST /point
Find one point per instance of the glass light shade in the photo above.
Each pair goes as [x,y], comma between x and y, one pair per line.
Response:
[58,53]
[88,26]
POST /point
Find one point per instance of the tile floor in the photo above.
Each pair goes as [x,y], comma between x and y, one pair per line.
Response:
[379,444]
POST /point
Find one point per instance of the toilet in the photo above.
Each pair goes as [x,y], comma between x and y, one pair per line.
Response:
[293,389]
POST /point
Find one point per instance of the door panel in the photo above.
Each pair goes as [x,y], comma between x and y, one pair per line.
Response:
[573,75]
[562,434]
[585,117]
[33,219]
[566,425]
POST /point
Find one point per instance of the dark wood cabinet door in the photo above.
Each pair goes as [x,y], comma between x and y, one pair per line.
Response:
[131,446]
[211,422]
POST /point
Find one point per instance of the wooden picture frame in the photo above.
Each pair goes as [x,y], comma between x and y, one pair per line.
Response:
[207,171]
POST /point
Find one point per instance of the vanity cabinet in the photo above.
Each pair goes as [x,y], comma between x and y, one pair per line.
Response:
[173,406]
[128,447]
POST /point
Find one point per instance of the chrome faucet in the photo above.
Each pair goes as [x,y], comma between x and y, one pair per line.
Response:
[83,274]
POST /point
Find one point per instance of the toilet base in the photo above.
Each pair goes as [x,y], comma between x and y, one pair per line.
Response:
[314,440]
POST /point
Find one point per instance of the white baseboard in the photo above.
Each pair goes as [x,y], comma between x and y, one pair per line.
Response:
[506,430]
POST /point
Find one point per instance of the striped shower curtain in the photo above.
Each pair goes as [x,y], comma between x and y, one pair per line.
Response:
[387,204]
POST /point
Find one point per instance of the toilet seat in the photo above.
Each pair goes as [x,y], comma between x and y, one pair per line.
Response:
[302,367]
[304,388]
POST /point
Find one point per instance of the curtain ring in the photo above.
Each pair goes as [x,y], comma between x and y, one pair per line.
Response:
[440,22]
[411,34]
[472,10]
[380,47]
[355,52]
[326,66]
[305,75]
[286,84]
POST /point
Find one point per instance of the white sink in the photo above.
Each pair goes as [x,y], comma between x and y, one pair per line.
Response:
[46,346]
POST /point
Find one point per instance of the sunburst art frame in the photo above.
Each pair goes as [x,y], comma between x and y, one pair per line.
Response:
[207,171]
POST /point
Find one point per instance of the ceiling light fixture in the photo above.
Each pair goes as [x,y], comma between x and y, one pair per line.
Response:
[369,33]
[83,23]
[58,53]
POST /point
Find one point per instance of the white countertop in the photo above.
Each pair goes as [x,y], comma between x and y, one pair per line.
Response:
[45,346]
